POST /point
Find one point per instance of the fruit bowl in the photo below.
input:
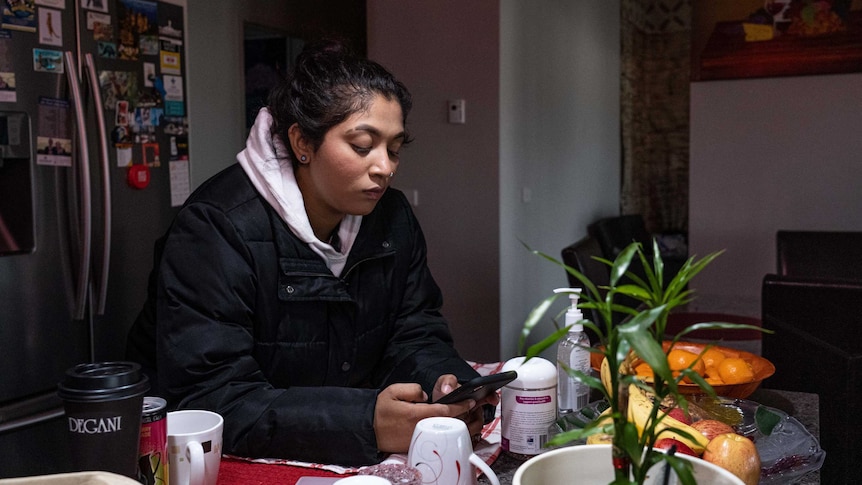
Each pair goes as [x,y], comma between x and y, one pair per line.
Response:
[761,369]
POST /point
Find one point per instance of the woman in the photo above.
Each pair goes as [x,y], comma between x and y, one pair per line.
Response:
[291,293]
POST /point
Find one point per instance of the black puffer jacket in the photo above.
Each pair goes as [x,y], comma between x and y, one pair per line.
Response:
[253,325]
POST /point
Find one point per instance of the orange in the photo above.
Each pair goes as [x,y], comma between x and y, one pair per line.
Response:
[644,370]
[711,357]
[714,380]
[734,370]
[679,359]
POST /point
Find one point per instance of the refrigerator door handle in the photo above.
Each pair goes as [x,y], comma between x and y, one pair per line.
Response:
[102,283]
[86,214]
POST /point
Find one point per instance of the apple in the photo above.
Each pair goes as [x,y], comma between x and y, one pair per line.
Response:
[679,415]
[666,443]
[736,454]
[711,428]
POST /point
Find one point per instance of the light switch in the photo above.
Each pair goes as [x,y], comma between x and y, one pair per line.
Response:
[457,113]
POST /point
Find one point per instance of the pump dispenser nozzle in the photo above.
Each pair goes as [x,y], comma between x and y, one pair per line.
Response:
[573,314]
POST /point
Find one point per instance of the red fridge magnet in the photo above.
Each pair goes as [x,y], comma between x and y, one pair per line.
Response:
[139,175]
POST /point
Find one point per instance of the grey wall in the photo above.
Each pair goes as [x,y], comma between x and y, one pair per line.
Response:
[770,154]
[449,49]
[215,84]
[559,140]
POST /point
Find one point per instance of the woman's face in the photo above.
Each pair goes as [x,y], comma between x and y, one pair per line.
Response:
[350,171]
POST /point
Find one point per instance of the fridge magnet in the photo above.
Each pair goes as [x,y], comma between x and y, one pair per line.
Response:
[53,151]
[170,57]
[19,15]
[98,5]
[170,20]
[134,19]
[149,45]
[149,74]
[122,113]
[53,135]
[117,85]
[49,27]
[144,134]
[150,153]
[143,116]
[52,3]
[103,32]
[170,31]
[179,147]
[7,88]
[149,98]
[48,61]
[124,156]
[107,50]
[121,136]
[174,101]
[179,171]
[176,125]
[139,175]
[94,18]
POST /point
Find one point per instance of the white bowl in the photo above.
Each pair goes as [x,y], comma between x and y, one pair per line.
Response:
[591,465]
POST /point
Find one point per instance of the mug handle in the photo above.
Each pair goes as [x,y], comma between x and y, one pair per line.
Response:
[195,453]
[480,463]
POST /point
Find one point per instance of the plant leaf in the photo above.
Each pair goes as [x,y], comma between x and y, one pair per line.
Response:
[621,264]
[534,317]
[546,343]
[682,468]
[766,420]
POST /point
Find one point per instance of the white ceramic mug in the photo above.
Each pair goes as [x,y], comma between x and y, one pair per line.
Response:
[194,447]
[442,451]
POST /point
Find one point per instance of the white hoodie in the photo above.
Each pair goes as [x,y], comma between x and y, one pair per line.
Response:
[267,163]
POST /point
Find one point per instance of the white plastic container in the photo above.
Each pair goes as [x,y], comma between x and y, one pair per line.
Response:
[572,354]
[528,406]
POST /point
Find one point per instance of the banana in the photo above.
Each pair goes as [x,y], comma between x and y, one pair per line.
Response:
[605,373]
[640,407]
[601,438]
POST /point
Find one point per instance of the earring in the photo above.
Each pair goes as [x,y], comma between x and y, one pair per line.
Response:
[303,158]
[391,174]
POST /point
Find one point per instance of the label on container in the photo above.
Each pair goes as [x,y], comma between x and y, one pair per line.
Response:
[152,455]
[527,415]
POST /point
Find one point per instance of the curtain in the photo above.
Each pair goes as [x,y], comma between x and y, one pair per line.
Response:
[655,47]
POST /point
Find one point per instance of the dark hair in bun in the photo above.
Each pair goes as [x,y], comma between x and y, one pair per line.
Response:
[326,86]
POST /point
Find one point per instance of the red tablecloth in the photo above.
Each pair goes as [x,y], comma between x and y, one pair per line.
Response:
[242,472]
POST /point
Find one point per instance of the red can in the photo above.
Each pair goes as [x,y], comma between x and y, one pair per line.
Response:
[152,455]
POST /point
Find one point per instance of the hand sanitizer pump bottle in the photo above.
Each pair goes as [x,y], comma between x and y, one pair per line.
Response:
[572,353]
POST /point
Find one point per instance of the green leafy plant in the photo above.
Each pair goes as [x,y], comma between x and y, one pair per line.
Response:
[640,335]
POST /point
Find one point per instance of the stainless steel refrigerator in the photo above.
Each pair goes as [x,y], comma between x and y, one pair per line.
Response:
[93,162]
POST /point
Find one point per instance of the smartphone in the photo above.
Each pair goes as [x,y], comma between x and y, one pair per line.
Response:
[478,387]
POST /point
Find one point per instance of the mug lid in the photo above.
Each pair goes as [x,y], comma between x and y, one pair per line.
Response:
[99,381]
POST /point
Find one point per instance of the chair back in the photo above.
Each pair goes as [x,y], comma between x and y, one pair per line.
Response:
[816,348]
[819,254]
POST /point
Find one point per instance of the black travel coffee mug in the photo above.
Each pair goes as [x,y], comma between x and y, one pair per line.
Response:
[103,403]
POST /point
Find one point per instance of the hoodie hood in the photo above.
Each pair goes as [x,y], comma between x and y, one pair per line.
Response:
[267,163]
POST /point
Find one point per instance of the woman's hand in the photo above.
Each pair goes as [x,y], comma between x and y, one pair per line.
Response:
[400,406]
[475,417]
